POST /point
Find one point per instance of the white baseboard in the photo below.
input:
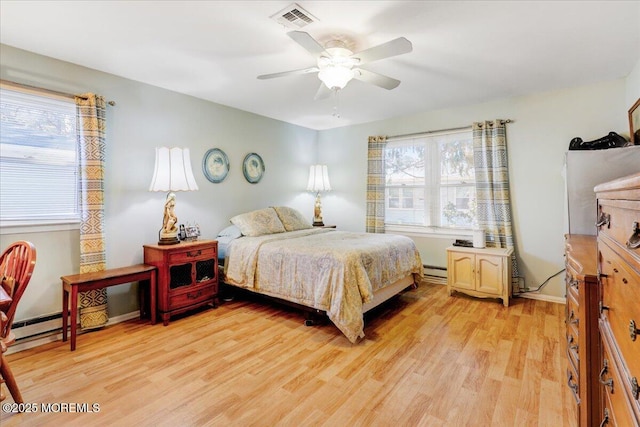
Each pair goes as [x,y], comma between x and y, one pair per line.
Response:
[530,295]
[542,297]
[51,331]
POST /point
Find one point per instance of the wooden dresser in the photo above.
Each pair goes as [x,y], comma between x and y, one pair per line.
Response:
[619,320]
[583,342]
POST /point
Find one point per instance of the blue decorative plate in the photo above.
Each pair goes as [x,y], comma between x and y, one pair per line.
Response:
[215,165]
[253,168]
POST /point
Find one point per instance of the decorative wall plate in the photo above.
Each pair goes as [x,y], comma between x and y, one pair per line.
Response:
[215,165]
[253,168]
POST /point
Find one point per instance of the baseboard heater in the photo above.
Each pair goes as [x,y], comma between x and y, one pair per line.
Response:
[430,272]
[37,326]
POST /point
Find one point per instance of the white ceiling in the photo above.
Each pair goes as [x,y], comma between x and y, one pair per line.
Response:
[464,52]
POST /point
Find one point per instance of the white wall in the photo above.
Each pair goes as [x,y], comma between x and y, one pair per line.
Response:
[537,141]
[633,85]
[145,117]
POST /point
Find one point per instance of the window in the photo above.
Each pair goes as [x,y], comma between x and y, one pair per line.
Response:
[430,181]
[38,157]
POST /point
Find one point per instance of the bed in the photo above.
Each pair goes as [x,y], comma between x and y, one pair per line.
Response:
[277,253]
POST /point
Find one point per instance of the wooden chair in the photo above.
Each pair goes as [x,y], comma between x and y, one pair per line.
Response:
[16,267]
[3,348]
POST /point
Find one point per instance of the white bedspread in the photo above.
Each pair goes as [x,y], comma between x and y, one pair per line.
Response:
[329,270]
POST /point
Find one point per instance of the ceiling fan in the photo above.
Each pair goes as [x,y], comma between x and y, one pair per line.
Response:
[337,65]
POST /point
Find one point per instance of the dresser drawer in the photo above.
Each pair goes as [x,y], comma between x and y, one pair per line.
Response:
[621,299]
[573,383]
[573,284]
[193,254]
[573,348]
[192,295]
[573,333]
[616,389]
[618,218]
[573,312]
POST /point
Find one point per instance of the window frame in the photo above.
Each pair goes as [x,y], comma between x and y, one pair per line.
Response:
[26,225]
[431,191]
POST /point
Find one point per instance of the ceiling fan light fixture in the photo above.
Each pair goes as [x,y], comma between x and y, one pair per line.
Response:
[335,76]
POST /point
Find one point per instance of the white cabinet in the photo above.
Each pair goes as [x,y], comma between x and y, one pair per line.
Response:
[484,273]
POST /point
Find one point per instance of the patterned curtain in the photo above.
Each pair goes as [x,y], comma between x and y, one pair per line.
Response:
[375,184]
[91,146]
[492,188]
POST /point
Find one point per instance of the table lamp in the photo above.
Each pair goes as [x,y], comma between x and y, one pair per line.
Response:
[318,182]
[172,173]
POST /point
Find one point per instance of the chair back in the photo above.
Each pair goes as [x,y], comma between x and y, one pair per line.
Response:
[17,261]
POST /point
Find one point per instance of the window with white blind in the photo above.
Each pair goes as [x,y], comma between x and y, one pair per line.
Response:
[38,157]
[430,181]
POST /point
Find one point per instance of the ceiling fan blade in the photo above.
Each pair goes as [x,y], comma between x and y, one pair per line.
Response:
[308,42]
[375,78]
[394,47]
[323,92]
[289,73]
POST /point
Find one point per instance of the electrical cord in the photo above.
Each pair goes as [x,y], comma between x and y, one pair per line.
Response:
[527,290]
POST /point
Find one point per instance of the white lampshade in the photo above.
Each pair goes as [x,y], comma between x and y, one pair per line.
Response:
[173,170]
[318,179]
[335,76]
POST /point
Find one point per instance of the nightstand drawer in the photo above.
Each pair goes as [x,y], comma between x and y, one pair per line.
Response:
[193,254]
[193,295]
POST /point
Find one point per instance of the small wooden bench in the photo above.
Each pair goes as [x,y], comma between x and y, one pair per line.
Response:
[98,280]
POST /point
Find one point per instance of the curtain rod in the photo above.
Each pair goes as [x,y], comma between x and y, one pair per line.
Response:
[409,135]
[50,91]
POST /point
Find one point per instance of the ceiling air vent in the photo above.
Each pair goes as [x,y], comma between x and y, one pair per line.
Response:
[294,16]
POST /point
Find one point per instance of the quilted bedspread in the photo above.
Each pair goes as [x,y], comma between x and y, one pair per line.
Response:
[330,270]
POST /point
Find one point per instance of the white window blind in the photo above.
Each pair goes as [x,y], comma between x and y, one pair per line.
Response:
[38,157]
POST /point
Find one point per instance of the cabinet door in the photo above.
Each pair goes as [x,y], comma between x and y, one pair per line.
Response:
[489,274]
[462,269]
[180,275]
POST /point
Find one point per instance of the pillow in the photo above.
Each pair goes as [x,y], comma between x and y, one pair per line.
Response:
[257,223]
[231,231]
[291,218]
[226,236]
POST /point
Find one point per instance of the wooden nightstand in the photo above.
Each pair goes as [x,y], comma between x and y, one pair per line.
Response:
[484,273]
[187,275]
[325,226]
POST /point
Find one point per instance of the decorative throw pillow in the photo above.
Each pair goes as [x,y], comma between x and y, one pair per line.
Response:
[291,218]
[258,223]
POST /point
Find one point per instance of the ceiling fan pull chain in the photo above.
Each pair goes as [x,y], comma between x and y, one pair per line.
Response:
[336,107]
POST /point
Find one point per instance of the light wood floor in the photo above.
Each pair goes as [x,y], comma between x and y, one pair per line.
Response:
[427,359]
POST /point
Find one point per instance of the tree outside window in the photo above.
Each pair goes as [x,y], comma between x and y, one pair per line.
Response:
[430,181]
